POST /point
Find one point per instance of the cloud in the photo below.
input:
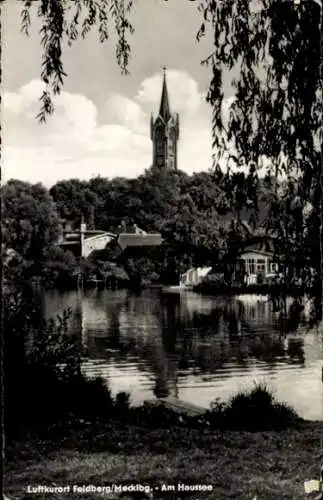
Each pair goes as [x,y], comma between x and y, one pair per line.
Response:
[122,110]
[72,123]
[195,154]
[80,140]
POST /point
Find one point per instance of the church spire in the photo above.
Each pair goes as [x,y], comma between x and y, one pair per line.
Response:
[164,133]
[164,109]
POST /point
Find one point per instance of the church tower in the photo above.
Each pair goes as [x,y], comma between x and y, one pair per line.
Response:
[164,133]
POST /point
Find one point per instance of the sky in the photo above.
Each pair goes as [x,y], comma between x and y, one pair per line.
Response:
[101,124]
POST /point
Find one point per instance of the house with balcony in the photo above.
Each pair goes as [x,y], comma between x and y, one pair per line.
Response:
[256,261]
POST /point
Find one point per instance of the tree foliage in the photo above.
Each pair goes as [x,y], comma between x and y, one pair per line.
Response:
[277,111]
[30,222]
[74,200]
[276,117]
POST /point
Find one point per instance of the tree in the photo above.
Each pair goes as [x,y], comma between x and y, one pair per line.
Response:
[192,236]
[160,192]
[61,268]
[30,222]
[75,200]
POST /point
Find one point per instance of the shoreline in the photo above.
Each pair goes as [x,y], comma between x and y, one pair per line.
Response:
[261,289]
[202,288]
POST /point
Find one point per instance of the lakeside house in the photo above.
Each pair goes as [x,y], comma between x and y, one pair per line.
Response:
[256,261]
[254,252]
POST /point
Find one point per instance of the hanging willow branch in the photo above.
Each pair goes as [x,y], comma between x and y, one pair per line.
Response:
[277,112]
[67,20]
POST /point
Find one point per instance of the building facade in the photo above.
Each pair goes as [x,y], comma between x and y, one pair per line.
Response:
[256,264]
[83,241]
[257,261]
[164,133]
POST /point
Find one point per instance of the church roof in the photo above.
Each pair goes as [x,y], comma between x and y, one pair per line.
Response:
[164,110]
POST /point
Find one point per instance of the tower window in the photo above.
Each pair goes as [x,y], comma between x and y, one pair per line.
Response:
[159,134]
[172,135]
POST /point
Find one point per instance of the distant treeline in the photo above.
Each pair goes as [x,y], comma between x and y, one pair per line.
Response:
[197,216]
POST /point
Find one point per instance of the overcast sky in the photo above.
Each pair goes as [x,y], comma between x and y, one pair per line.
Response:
[101,120]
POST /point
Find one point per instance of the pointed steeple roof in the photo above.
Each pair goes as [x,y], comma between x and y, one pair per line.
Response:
[164,110]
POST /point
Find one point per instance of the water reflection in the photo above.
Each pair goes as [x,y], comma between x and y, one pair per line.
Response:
[194,347]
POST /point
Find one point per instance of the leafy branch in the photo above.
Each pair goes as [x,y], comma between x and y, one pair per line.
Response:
[276,50]
[66,21]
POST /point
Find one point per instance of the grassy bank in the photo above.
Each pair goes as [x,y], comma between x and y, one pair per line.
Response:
[154,446]
[238,465]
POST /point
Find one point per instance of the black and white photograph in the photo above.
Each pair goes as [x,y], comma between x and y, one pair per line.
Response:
[162,249]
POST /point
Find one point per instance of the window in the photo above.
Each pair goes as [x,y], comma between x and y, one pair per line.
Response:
[250,266]
[160,147]
[159,134]
[171,140]
[261,265]
[274,267]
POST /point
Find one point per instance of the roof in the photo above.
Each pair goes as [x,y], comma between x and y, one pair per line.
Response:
[77,232]
[164,110]
[139,240]
[97,236]
[255,250]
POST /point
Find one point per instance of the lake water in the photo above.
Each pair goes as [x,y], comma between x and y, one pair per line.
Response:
[193,347]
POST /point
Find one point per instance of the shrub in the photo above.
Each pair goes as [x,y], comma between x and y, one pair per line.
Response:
[60,268]
[255,409]
[50,386]
[121,405]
